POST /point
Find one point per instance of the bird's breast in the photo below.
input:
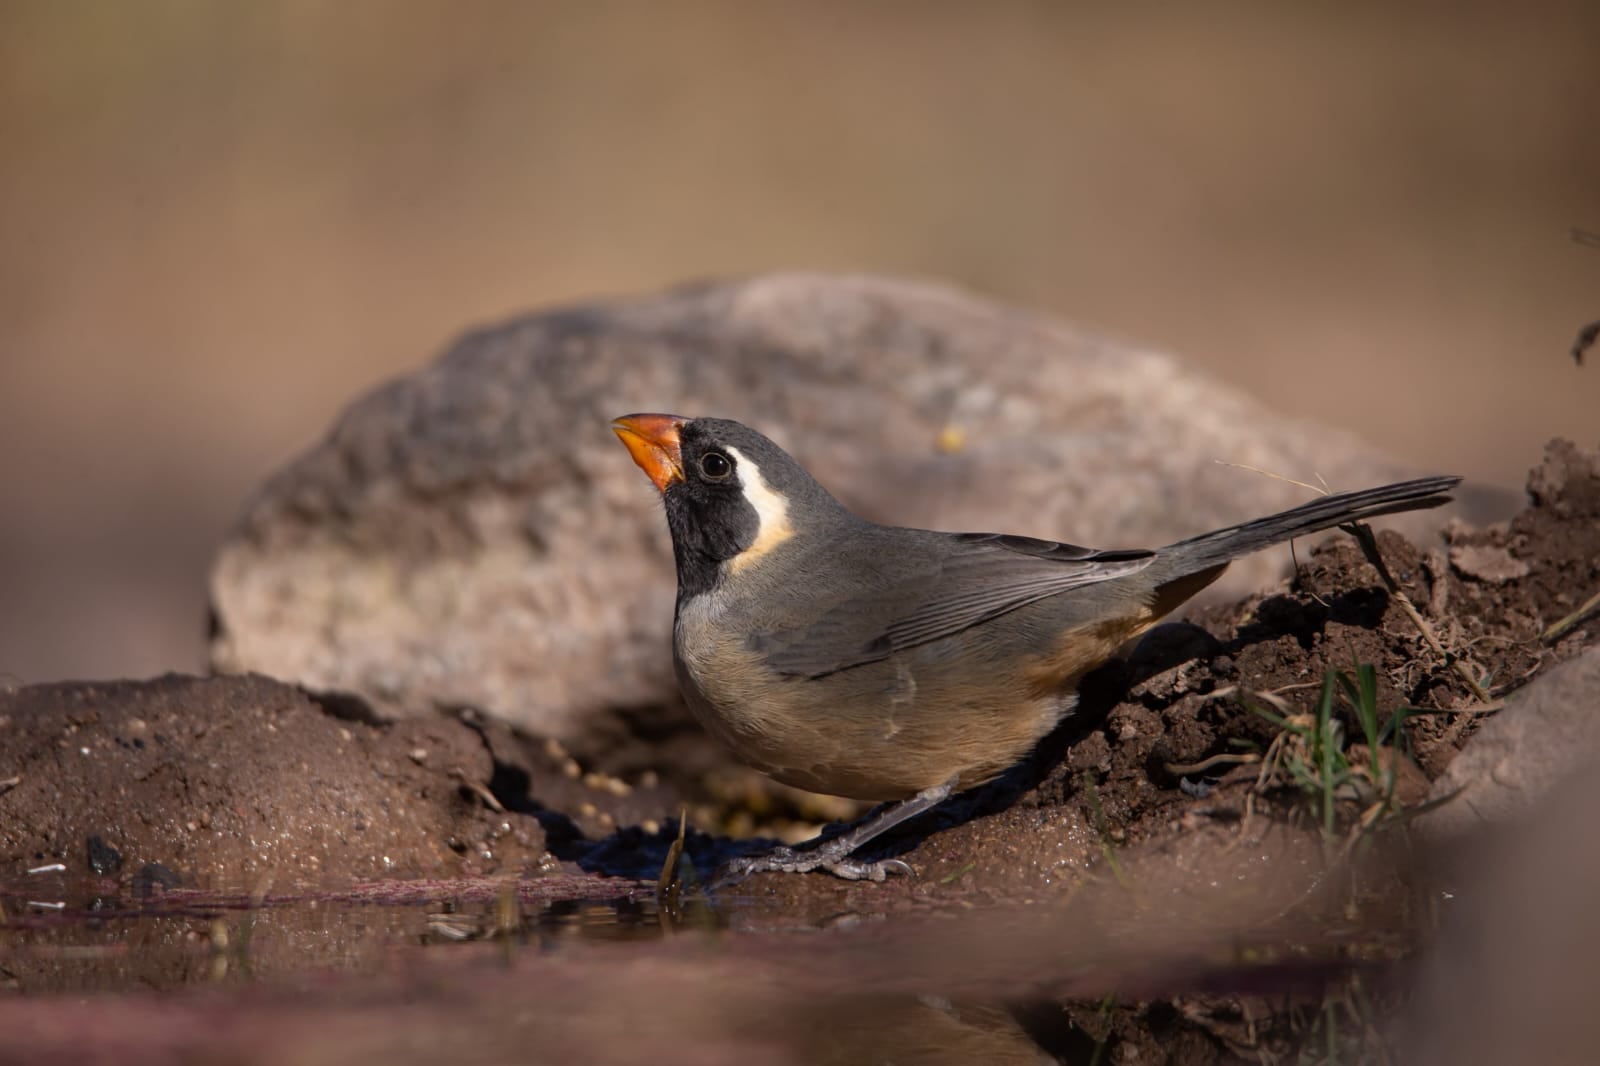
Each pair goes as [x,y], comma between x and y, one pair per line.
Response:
[882,730]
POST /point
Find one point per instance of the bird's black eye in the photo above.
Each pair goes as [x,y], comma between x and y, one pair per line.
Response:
[715,466]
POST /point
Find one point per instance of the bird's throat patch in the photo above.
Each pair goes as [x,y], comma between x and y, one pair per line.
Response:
[772,512]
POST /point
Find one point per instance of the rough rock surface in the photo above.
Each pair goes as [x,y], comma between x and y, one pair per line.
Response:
[1548,731]
[472,535]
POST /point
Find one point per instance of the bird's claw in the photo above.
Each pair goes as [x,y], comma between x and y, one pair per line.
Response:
[853,870]
[786,860]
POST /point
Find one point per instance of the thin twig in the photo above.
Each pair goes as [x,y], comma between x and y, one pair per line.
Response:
[477,789]
[1222,758]
[1477,708]
[1369,547]
[1572,621]
[1321,491]
[1585,340]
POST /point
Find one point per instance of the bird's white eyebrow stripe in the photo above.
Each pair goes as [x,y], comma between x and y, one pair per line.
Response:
[772,510]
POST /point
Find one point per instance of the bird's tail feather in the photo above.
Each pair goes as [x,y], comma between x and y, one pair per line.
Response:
[1215,549]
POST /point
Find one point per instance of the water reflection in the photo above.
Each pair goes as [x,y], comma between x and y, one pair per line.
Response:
[71,935]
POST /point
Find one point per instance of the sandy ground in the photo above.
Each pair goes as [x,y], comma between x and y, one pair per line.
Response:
[220,222]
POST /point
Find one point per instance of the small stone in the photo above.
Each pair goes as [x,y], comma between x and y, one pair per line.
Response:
[153,876]
[104,860]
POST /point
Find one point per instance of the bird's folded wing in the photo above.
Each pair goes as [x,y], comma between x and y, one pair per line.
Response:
[983,576]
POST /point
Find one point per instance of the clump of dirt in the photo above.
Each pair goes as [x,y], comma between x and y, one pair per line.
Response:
[239,780]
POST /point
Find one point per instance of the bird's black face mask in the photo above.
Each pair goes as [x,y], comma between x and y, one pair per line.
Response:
[708,512]
[731,494]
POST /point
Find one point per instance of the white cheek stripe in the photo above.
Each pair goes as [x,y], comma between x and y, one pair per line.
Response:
[772,511]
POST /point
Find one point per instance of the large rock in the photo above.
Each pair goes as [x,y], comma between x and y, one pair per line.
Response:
[473,535]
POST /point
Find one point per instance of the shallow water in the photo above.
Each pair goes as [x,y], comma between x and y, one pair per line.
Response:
[584,968]
[80,935]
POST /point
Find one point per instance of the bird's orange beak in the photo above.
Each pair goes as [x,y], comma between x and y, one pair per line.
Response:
[652,440]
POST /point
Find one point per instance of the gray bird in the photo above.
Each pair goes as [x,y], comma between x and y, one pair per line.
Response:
[884,663]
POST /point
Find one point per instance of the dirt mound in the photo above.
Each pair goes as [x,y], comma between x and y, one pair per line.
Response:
[240,780]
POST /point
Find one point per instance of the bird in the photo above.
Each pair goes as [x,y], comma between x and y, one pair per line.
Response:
[886,663]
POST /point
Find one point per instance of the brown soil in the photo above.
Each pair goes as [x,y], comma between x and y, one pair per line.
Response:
[1109,891]
[240,781]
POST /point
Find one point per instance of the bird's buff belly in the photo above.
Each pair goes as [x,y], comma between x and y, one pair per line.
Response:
[881,731]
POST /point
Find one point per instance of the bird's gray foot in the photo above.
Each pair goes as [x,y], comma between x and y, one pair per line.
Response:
[833,855]
[835,861]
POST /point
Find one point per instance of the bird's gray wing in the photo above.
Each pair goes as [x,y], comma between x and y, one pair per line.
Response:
[980,576]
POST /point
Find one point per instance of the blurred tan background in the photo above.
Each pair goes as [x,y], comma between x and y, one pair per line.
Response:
[221,220]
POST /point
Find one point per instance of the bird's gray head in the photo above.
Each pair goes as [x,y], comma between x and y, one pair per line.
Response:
[731,495]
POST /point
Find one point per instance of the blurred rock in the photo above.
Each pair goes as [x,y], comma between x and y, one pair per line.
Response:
[1512,975]
[1548,731]
[473,535]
